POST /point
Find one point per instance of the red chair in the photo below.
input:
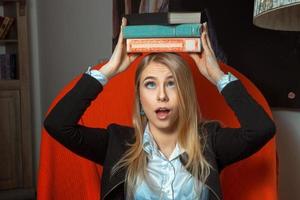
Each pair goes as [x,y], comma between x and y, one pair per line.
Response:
[64,175]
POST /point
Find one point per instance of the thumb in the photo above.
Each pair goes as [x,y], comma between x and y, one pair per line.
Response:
[134,56]
[195,57]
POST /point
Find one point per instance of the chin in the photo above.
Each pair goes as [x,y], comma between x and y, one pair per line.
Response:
[164,124]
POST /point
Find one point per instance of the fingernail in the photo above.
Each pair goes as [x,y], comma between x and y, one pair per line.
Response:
[123,20]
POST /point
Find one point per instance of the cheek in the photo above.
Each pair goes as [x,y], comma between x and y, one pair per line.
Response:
[173,97]
[147,99]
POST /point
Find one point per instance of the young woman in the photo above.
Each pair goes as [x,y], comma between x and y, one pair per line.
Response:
[170,152]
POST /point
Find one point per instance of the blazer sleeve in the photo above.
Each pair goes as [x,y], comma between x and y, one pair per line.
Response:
[256,127]
[62,121]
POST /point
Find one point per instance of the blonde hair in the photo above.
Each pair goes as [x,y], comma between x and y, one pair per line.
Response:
[135,159]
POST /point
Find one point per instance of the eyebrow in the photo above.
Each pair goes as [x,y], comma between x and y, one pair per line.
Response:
[153,77]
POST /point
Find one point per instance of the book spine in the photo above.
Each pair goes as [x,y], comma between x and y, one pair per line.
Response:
[163,45]
[4,25]
[13,66]
[7,67]
[147,19]
[2,66]
[158,31]
[1,74]
[11,20]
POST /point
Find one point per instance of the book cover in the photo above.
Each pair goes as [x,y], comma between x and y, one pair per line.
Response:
[4,25]
[2,67]
[7,66]
[158,31]
[0,73]
[163,45]
[1,20]
[163,18]
[10,23]
[13,66]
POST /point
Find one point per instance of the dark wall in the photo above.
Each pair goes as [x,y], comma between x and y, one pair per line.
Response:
[271,59]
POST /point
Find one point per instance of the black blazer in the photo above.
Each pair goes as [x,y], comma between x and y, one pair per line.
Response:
[106,146]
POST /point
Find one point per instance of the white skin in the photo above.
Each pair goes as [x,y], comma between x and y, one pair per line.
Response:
[158,90]
[157,87]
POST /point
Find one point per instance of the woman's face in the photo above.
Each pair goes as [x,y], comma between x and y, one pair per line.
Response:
[159,96]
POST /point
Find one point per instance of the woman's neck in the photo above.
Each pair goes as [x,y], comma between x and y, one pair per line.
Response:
[166,141]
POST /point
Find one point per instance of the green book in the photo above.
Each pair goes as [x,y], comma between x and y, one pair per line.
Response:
[161,31]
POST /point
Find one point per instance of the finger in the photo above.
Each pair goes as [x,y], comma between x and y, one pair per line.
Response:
[120,39]
[124,21]
[195,57]
[134,56]
[123,24]
[205,44]
[118,48]
[208,39]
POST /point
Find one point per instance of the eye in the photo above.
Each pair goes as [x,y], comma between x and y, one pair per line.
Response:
[150,85]
[171,84]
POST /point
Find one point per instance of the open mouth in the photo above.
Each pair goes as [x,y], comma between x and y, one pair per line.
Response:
[162,113]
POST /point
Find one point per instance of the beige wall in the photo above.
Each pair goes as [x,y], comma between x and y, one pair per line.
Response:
[288,147]
[66,36]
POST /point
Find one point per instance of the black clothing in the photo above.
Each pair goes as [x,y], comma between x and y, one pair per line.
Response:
[106,146]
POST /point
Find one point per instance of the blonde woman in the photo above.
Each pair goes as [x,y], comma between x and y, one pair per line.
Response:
[170,152]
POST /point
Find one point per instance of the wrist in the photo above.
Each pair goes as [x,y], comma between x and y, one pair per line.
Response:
[218,76]
[227,78]
[105,70]
[97,75]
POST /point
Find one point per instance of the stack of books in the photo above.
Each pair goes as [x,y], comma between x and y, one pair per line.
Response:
[8,63]
[163,32]
[5,25]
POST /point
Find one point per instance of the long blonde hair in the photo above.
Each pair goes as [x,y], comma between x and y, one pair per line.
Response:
[135,159]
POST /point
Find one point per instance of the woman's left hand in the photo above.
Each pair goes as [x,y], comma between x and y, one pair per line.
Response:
[206,61]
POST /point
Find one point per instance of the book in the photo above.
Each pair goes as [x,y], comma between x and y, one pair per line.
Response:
[163,18]
[13,66]
[8,66]
[163,45]
[2,66]
[10,23]
[4,25]
[158,31]
[1,19]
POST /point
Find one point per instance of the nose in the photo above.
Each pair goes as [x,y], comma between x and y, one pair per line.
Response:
[162,95]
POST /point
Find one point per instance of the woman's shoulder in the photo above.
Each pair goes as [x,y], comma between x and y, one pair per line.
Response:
[120,131]
[209,126]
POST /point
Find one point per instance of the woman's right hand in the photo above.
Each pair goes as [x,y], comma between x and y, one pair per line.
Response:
[119,60]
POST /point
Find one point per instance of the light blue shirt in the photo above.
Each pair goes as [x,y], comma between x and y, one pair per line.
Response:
[167,178]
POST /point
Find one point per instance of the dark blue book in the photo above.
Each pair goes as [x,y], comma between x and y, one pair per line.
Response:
[13,66]
[8,66]
[2,67]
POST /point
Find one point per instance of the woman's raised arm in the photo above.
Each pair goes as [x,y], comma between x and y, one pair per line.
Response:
[257,128]
[62,121]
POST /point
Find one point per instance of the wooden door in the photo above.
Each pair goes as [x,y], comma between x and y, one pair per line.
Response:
[10,140]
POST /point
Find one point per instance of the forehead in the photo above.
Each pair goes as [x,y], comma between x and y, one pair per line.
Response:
[156,69]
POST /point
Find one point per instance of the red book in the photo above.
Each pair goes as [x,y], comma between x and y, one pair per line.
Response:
[163,45]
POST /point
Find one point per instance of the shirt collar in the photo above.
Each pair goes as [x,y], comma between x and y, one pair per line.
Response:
[150,146]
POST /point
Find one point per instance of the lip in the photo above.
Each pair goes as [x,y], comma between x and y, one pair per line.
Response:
[162,108]
[163,115]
